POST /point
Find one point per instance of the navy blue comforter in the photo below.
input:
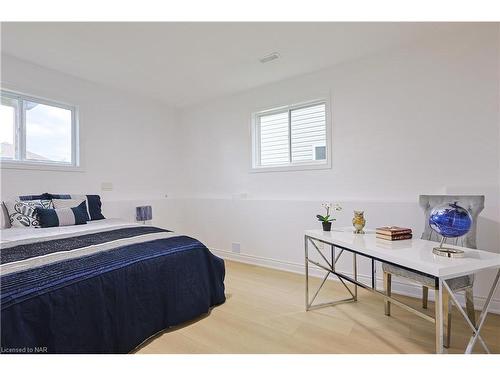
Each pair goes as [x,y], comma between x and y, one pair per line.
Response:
[107,302]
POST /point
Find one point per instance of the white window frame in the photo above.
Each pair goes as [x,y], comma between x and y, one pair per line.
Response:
[20,161]
[296,166]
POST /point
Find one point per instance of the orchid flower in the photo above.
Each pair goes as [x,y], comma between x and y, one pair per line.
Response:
[328,206]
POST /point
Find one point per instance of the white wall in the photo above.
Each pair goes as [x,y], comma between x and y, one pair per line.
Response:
[399,119]
[125,139]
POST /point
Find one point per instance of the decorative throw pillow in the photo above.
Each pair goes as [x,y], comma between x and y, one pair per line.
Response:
[93,204]
[62,216]
[69,203]
[22,212]
[4,217]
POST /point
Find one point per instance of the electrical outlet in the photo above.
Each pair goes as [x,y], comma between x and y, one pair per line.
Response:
[236,247]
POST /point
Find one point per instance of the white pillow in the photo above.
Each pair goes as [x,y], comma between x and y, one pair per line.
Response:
[22,213]
[4,217]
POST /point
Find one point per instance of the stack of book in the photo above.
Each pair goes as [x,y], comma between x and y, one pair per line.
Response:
[393,233]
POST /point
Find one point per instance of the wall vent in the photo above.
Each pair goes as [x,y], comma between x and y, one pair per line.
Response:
[270,57]
[235,247]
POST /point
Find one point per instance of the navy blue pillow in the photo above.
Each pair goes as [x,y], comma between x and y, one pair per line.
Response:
[94,204]
[62,216]
[95,207]
[44,196]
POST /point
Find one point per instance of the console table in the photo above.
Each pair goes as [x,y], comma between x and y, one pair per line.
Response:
[414,255]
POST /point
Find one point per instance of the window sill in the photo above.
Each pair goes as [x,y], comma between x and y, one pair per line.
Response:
[290,168]
[29,165]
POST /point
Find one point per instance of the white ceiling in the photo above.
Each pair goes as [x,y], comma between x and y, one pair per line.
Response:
[185,63]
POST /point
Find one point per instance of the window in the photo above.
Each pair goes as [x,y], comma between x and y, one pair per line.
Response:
[37,132]
[293,137]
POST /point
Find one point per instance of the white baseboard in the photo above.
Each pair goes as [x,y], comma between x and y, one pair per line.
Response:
[406,289]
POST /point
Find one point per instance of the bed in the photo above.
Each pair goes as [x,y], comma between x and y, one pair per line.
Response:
[103,287]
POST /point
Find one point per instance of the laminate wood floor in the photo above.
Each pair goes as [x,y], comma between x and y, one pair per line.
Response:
[264,313]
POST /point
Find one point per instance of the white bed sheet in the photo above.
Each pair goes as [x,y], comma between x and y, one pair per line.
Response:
[17,235]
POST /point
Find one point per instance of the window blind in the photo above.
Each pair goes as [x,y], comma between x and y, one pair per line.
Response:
[274,139]
[308,132]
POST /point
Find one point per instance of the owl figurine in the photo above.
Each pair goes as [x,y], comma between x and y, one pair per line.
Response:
[358,221]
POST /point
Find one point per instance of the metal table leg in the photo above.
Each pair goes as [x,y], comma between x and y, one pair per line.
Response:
[475,330]
[438,307]
[355,273]
[330,270]
[306,261]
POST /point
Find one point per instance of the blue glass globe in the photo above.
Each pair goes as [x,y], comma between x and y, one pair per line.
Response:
[450,220]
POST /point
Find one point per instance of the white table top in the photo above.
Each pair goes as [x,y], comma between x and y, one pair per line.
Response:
[415,254]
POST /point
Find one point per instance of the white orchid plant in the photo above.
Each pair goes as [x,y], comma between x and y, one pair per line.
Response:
[328,206]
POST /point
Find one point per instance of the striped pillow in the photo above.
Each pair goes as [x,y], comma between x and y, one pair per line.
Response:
[69,203]
[93,204]
[62,216]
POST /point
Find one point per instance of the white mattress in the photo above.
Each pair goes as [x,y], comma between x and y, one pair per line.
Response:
[18,235]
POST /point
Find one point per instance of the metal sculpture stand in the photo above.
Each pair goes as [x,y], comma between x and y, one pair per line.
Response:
[447,251]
